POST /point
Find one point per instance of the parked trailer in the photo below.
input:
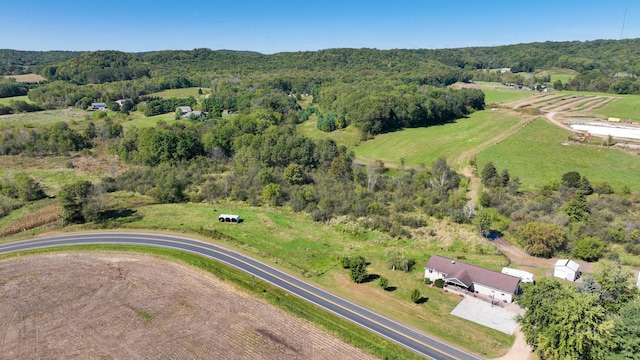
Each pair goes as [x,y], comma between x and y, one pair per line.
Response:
[524,276]
[229,218]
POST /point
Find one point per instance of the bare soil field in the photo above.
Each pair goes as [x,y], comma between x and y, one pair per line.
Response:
[131,306]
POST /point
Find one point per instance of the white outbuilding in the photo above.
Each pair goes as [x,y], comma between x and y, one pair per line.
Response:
[566,269]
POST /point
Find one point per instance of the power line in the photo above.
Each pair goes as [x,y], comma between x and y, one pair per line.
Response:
[623,21]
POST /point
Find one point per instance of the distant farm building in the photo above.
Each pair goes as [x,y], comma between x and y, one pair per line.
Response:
[229,218]
[524,276]
[614,119]
[566,269]
[120,102]
[505,70]
[186,112]
[495,285]
[98,106]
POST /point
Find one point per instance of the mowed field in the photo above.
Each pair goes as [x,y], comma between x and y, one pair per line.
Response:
[539,153]
[179,93]
[27,78]
[8,100]
[456,142]
[535,151]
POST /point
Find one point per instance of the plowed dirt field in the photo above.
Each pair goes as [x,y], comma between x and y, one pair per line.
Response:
[128,306]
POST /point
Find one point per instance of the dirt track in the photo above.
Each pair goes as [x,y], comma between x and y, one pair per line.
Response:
[130,306]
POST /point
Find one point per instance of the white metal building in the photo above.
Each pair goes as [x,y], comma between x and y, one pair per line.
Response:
[566,269]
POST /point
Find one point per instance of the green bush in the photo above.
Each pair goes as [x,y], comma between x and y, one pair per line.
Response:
[415,296]
[383,282]
[439,283]
[427,281]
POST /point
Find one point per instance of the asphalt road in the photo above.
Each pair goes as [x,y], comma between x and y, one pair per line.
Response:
[405,336]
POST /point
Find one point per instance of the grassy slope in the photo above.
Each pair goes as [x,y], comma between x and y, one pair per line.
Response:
[8,100]
[140,121]
[179,93]
[303,246]
[502,94]
[536,155]
[425,145]
[624,107]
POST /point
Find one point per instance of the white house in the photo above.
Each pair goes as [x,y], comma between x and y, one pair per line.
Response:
[495,285]
[524,276]
[566,269]
[229,218]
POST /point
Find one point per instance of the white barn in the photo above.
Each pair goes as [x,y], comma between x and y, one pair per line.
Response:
[566,269]
[493,284]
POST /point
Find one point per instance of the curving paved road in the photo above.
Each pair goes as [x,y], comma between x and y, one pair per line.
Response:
[407,337]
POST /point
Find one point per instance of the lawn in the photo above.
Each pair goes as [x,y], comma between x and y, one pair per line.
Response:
[536,155]
[457,142]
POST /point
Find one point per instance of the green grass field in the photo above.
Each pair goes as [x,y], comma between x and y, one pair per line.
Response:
[564,78]
[624,107]
[536,155]
[456,142]
[180,93]
[349,137]
[8,100]
[140,121]
[505,95]
[44,118]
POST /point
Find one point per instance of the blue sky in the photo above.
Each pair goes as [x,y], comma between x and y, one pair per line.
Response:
[272,26]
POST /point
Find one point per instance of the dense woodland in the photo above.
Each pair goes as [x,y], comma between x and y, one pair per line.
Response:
[257,156]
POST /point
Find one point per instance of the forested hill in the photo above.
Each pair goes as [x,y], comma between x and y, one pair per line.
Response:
[13,62]
[610,56]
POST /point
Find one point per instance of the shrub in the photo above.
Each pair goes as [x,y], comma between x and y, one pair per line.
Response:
[589,248]
[383,282]
[427,281]
[439,283]
[415,296]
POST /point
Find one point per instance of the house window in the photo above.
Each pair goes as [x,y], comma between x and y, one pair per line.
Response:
[430,271]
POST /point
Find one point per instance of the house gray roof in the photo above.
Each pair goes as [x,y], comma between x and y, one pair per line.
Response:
[468,274]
